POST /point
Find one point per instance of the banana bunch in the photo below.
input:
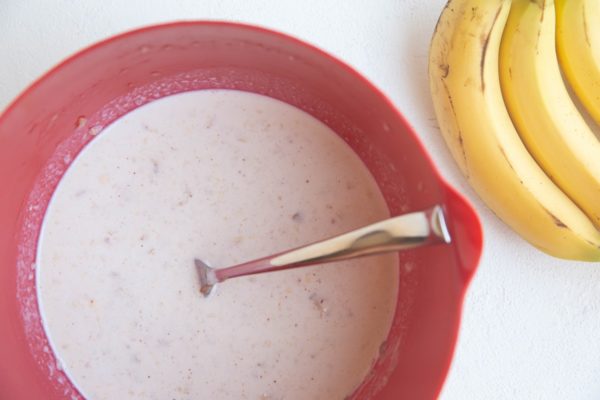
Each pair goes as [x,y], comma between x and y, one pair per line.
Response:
[509,121]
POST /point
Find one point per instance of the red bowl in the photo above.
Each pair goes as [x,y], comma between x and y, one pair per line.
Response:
[43,130]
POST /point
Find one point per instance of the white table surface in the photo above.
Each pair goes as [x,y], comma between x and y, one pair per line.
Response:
[531,324]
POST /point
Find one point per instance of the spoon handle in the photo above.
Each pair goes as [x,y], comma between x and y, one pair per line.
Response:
[393,234]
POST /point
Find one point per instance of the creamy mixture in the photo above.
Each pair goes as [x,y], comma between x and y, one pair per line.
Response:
[224,176]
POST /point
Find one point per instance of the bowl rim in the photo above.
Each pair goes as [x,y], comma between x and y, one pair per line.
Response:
[443,182]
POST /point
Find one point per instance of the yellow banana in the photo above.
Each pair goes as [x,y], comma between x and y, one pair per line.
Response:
[538,102]
[578,48]
[465,88]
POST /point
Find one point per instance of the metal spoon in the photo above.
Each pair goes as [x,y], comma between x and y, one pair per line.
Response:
[393,234]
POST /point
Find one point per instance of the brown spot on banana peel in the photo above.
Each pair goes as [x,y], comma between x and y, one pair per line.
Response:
[592,244]
[473,13]
[445,70]
[460,138]
[585,27]
[485,41]
[442,64]
[439,21]
[542,5]
[506,158]
[508,162]
[556,220]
